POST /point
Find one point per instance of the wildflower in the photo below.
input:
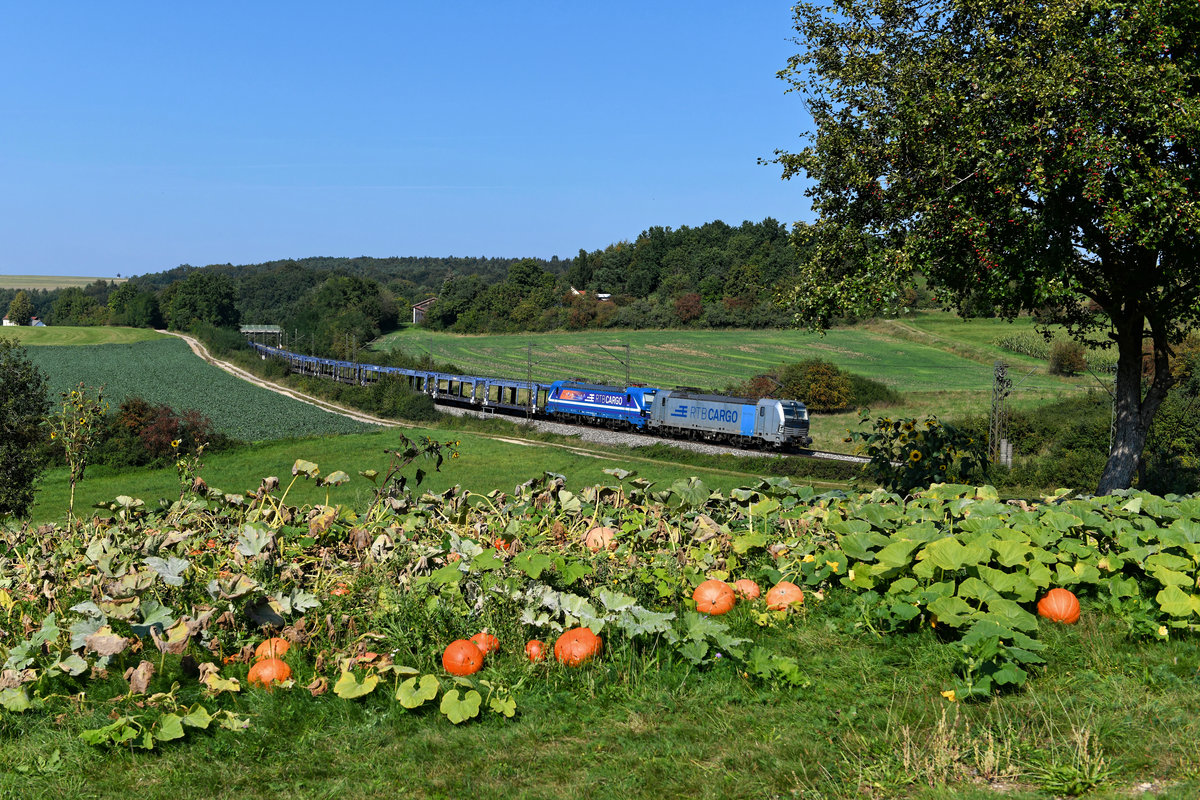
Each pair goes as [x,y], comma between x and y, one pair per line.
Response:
[175,443]
[833,565]
[914,456]
[949,695]
[1162,631]
[808,559]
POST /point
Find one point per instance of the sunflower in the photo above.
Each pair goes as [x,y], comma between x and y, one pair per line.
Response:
[914,456]
[908,426]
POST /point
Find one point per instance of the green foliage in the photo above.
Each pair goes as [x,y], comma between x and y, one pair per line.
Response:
[20,309]
[1027,159]
[76,426]
[821,385]
[202,297]
[1067,358]
[23,405]
[908,454]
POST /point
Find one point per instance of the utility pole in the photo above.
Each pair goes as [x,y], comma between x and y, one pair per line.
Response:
[999,449]
[627,361]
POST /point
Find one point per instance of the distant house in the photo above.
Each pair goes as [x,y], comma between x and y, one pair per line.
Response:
[36,323]
[420,308]
[8,322]
[603,297]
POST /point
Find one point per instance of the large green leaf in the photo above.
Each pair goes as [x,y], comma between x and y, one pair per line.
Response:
[349,687]
[460,708]
[413,693]
[1177,602]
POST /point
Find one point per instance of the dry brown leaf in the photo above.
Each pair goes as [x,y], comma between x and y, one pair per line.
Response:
[139,677]
[319,686]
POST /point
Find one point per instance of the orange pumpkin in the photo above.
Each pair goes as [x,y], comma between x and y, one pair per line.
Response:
[784,594]
[535,650]
[713,597]
[462,657]
[268,671]
[272,648]
[577,646]
[747,589]
[1059,605]
[486,642]
[600,538]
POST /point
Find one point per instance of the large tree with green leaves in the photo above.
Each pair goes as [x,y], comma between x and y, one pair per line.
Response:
[23,407]
[1032,156]
[20,310]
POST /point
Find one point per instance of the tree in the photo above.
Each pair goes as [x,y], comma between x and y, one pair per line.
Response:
[1039,155]
[20,310]
[23,407]
[203,296]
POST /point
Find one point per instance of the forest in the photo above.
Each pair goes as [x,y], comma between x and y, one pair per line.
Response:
[711,276]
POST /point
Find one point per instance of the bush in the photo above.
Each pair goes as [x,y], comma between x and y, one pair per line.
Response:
[1067,357]
[23,405]
[870,392]
[819,384]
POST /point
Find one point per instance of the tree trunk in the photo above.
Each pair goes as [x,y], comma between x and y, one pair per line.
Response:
[1134,413]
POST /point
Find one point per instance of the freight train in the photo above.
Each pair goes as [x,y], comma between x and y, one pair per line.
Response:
[674,413]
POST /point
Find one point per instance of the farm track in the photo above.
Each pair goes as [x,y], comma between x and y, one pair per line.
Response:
[596,435]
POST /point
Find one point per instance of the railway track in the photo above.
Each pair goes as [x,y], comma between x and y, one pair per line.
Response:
[585,433]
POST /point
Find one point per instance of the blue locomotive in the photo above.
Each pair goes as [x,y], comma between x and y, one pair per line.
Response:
[664,412]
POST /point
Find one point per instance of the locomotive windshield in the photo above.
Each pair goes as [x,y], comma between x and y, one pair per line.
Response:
[794,411]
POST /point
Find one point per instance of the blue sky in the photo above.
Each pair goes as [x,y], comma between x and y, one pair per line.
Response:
[140,136]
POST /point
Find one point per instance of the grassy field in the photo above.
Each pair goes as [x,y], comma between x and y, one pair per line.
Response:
[942,365]
[55,336]
[483,462]
[50,281]
[1107,718]
[165,371]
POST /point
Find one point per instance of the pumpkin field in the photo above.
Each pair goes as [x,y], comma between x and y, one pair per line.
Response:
[627,639]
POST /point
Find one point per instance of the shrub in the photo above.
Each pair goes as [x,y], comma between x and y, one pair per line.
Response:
[819,384]
[23,405]
[870,392]
[1067,357]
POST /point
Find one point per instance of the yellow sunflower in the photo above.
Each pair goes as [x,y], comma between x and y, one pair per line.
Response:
[914,456]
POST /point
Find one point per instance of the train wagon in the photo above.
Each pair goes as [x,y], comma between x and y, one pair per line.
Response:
[615,406]
[739,420]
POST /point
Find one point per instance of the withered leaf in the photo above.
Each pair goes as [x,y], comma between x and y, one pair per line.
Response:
[105,643]
[139,677]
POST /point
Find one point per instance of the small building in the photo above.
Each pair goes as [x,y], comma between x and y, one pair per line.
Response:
[418,310]
[263,334]
[36,323]
[8,322]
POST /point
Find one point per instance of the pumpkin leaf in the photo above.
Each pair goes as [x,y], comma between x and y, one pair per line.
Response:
[14,699]
[349,687]
[459,709]
[413,694]
[197,717]
[505,704]
[168,727]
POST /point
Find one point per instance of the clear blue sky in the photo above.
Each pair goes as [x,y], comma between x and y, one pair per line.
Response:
[138,136]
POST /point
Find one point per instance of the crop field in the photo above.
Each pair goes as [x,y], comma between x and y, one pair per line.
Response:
[165,371]
[59,336]
[49,281]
